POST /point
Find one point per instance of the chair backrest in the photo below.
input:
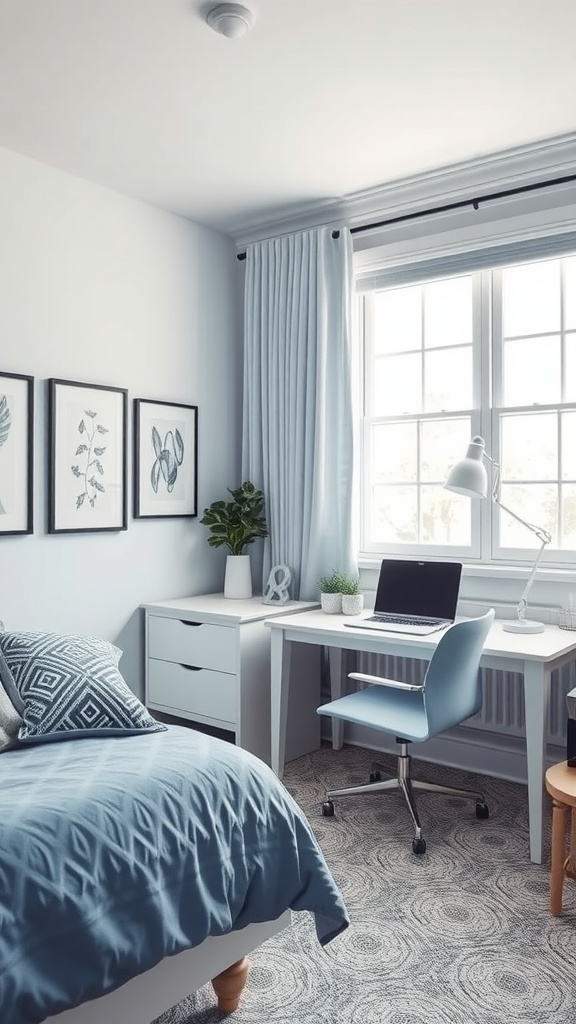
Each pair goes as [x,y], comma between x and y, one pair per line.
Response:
[452,685]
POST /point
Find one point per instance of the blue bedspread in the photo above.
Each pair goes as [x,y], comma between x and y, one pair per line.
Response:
[117,852]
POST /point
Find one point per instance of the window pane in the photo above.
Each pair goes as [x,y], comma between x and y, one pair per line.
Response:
[394,516]
[448,379]
[537,504]
[531,298]
[444,442]
[570,369]
[569,516]
[396,385]
[568,445]
[445,519]
[448,312]
[530,447]
[394,453]
[570,293]
[398,320]
[531,371]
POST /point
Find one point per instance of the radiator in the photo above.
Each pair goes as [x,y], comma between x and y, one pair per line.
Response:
[503,705]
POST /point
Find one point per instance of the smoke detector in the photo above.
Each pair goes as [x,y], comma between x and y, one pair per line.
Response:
[231,20]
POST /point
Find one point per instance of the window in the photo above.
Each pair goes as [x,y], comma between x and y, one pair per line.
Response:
[490,352]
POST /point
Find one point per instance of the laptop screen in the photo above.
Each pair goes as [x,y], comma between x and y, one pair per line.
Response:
[411,587]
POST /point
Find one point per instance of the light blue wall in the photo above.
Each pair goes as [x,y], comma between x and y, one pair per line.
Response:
[100,288]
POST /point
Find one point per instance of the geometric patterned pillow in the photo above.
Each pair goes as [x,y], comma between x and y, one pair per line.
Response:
[10,719]
[70,687]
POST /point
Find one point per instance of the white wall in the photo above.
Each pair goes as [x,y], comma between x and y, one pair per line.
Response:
[100,288]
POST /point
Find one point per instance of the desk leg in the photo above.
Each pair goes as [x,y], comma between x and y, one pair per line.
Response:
[280,652]
[536,701]
[335,661]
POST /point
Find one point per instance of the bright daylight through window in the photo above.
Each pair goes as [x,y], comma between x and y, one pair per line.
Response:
[491,353]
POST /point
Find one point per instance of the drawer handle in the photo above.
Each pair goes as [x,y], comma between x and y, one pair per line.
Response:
[185,622]
[191,668]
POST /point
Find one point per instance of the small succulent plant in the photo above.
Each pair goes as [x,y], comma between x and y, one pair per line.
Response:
[339,582]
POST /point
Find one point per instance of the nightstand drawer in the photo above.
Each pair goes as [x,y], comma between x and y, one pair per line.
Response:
[203,645]
[197,691]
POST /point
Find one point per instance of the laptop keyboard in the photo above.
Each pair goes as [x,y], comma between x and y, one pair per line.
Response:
[407,620]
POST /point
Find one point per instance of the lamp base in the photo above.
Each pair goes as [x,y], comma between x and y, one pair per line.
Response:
[523,626]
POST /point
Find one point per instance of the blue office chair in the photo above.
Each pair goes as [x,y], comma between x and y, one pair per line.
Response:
[451,692]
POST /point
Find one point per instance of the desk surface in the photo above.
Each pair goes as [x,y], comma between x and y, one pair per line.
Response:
[217,608]
[550,645]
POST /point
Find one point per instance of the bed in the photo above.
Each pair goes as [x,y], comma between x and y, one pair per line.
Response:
[136,867]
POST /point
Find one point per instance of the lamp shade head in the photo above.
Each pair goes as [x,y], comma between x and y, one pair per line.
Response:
[469,476]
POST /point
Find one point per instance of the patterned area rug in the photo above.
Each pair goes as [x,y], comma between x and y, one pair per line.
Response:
[460,935]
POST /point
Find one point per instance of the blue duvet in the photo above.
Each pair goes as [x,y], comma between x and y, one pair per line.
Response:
[117,852]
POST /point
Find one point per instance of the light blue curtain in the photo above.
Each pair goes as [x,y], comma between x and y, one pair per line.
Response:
[297,440]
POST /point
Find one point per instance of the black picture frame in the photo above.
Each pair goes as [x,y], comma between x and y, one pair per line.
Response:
[87,489]
[16,454]
[165,459]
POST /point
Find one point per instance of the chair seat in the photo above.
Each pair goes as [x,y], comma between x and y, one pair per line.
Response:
[398,712]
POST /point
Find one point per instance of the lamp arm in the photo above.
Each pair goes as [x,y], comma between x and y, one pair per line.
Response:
[543,536]
[521,608]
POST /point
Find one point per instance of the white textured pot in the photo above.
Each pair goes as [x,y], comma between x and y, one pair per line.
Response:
[238,577]
[331,603]
[352,604]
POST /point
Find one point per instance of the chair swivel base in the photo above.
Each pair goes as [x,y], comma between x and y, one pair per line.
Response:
[406,785]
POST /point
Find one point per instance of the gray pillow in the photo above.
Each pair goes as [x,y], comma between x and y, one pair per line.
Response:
[69,687]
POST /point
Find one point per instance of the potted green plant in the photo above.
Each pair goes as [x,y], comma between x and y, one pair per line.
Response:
[340,592]
[352,595]
[330,584]
[236,524]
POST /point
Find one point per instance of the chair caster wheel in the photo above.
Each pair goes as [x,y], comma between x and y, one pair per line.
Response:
[419,845]
[375,776]
[482,811]
[327,809]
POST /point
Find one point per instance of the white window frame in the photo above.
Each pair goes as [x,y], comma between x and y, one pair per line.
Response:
[485,547]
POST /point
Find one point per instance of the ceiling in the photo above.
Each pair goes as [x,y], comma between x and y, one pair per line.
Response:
[320,100]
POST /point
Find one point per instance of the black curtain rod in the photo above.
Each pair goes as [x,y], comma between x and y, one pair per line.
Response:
[452,206]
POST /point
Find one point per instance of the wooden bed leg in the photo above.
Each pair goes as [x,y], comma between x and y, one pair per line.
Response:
[229,985]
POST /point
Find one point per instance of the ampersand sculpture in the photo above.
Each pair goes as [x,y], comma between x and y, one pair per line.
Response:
[279,580]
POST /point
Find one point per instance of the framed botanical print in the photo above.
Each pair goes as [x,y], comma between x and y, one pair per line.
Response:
[88,457]
[16,453]
[165,459]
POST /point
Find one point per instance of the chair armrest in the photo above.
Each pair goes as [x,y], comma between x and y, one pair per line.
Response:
[380,681]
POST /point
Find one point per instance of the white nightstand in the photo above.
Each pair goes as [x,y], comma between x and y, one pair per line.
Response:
[207,659]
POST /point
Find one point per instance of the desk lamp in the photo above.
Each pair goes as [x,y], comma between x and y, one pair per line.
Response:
[469,477]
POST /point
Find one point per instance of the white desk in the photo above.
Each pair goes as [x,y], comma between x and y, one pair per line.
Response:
[534,656]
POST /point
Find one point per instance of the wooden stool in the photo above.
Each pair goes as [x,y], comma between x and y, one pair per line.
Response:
[561,784]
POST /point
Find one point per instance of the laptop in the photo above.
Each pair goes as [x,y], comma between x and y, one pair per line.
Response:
[414,597]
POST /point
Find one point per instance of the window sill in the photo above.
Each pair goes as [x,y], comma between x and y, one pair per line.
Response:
[497,572]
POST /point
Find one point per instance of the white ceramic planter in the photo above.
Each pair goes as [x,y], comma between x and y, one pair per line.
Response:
[331,603]
[352,604]
[238,577]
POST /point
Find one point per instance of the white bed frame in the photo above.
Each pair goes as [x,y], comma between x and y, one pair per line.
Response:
[142,999]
